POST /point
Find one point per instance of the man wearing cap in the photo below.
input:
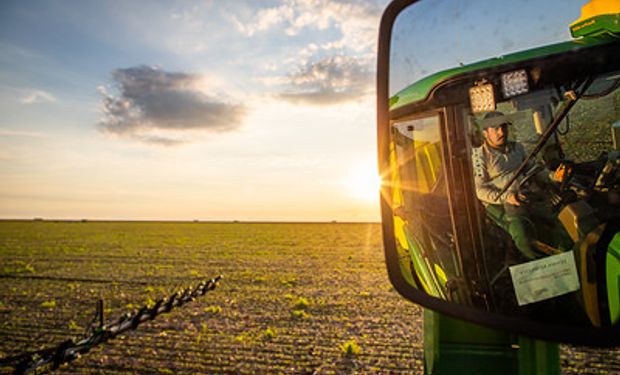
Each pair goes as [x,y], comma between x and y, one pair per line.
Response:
[495,162]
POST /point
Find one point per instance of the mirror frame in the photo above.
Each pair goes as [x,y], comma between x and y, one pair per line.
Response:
[591,336]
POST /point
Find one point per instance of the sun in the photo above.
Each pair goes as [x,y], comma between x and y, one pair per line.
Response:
[364,184]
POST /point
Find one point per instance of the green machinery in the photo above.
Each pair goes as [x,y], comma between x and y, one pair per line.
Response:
[452,252]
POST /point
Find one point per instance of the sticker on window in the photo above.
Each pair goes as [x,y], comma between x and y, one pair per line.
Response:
[545,278]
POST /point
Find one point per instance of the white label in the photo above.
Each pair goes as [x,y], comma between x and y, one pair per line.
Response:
[545,278]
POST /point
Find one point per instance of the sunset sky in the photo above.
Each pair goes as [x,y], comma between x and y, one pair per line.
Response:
[182,110]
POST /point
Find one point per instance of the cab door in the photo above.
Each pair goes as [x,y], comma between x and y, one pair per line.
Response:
[430,205]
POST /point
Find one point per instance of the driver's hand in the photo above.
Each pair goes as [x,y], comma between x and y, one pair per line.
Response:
[560,173]
[512,199]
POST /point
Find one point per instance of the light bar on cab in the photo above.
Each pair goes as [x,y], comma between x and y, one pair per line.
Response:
[482,98]
[514,83]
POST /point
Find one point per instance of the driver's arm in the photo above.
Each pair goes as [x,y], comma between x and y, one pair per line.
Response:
[486,191]
[545,176]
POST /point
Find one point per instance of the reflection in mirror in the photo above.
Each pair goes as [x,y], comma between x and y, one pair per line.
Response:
[420,203]
[504,157]
[432,36]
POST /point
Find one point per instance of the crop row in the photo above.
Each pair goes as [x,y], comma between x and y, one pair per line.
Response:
[295,298]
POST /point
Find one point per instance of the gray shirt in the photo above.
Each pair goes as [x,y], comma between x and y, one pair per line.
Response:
[493,168]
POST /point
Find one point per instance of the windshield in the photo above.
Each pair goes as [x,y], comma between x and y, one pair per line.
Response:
[583,133]
[587,132]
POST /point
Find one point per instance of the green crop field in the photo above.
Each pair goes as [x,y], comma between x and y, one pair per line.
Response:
[295,298]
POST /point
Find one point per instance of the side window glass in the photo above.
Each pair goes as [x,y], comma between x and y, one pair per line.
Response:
[421,213]
[586,131]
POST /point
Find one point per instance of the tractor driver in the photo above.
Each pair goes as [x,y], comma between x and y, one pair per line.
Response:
[495,162]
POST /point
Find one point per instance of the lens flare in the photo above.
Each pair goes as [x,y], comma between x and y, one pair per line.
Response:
[364,184]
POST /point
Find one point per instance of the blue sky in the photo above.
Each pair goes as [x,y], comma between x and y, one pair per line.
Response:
[188,110]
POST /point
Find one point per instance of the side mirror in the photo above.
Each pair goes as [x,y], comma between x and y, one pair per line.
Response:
[501,177]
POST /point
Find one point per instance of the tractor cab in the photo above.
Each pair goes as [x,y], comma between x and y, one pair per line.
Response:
[455,232]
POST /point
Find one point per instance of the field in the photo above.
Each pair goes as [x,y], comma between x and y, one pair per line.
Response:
[295,298]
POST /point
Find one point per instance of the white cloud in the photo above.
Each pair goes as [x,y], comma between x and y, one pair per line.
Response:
[37,96]
[331,80]
[337,65]
[265,19]
[356,21]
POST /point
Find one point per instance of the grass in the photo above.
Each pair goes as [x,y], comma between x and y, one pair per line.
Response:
[291,321]
[48,304]
[268,334]
[19,266]
[289,283]
[299,314]
[202,333]
[364,294]
[301,304]
[350,348]
[73,326]
[213,310]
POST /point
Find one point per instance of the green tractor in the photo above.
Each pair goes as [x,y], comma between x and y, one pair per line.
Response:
[521,235]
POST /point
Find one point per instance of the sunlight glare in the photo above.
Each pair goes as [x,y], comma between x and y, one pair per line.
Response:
[364,184]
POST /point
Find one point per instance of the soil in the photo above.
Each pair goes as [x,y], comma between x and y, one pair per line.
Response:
[294,299]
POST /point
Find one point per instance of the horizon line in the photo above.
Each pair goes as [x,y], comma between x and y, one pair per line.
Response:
[234,221]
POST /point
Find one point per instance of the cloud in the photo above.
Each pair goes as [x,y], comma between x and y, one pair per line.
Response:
[337,65]
[37,96]
[155,106]
[20,133]
[159,140]
[331,80]
[357,21]
[265,19]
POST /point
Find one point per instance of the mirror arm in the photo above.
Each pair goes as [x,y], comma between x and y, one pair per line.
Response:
[571,99]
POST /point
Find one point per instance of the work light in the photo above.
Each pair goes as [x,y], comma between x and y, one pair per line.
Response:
[482,98]
[514,83]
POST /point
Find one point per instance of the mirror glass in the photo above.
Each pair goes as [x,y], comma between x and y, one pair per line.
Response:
[501,161]
[432,36]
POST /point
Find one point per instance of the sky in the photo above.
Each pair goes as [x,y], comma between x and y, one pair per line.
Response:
[189,110]
[432,36]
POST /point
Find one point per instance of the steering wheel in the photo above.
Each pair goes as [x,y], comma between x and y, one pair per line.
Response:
[523,192]
[559,192]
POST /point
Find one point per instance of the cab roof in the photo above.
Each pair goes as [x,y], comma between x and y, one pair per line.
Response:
[421,89]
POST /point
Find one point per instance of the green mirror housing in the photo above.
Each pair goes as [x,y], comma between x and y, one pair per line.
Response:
[500,164]
[597,18]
